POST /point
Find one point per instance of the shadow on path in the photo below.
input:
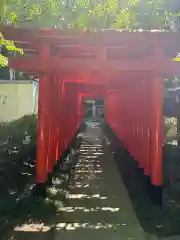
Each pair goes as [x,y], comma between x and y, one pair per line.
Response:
[97,205]
[163,223]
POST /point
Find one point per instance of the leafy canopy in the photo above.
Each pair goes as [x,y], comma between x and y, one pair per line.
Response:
[94,15]
[85,13]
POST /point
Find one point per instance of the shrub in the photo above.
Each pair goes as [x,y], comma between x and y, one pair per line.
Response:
[19,131]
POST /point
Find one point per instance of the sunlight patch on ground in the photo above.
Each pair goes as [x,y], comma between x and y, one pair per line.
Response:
[99,153]
[97,226]
[89,171]
[90,149]
[26,173]
[94,148]
[36,227]
[87,166]
[88,161]
[86,196]
[88,186]
[96,209]
[88,157]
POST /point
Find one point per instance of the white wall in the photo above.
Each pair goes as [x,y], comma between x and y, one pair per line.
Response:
[16,99]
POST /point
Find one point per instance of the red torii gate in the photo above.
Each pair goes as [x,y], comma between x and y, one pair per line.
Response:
[126,68]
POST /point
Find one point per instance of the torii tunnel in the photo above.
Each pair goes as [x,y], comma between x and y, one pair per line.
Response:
[126,69]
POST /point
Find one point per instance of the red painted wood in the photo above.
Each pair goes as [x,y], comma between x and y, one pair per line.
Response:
[43,132]
[42,157]
[124,68]
[156,127]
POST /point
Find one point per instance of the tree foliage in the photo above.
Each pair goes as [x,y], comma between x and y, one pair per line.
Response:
[94,15]
[83,13]
[9,45]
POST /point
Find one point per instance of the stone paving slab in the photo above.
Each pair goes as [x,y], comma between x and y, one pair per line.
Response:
[98,205]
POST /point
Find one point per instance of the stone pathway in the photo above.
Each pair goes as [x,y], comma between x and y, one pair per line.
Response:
[98,206]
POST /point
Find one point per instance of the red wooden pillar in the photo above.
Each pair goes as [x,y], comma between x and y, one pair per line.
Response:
[41,158]
[63,116]
[134,113]
[56,109]
[60,117]
[59,83]
[52,127]
[73,114]
[43,128]
[66,111]
[55,118]
[80,110]
[146,120]
[156,140]
[138,117]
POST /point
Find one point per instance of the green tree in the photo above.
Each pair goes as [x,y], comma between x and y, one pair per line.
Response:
[152,14]
[9,45]
[127,15]
[83,13]
[4,44]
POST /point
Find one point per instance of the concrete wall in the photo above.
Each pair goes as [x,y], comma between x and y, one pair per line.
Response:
[16,99]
